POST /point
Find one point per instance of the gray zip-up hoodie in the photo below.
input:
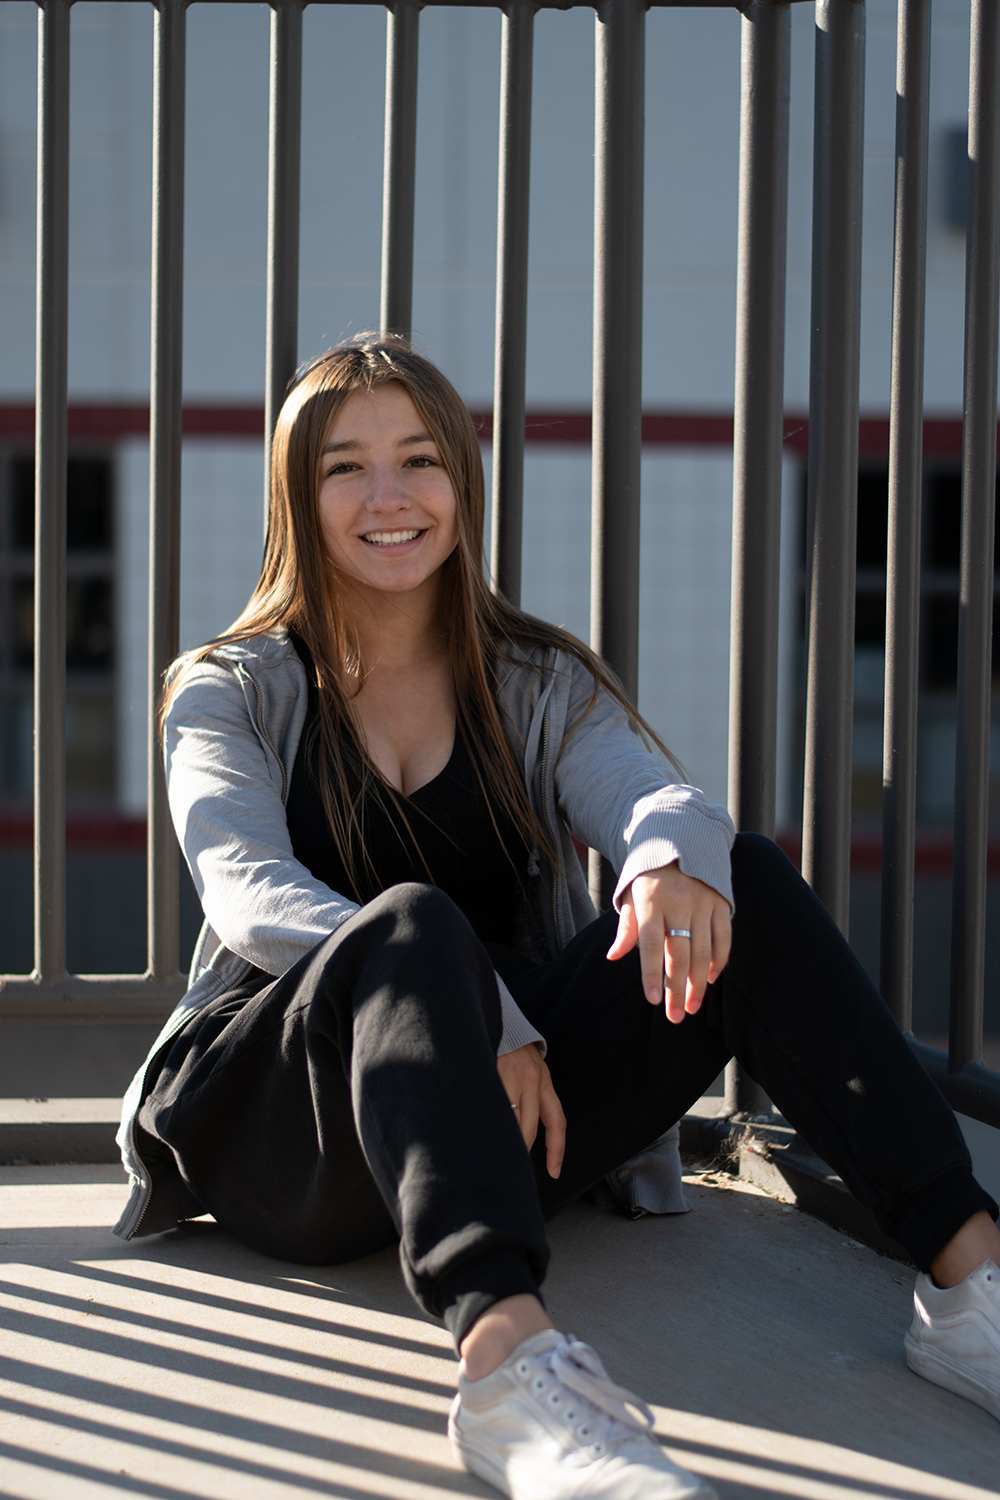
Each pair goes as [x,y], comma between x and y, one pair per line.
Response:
[232,733]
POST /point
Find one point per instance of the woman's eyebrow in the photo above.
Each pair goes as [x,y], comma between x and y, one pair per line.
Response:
[351,445]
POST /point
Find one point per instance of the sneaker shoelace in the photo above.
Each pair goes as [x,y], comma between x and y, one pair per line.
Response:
[611,1413]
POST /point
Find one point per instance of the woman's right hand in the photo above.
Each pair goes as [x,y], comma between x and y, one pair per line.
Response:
[528,1086]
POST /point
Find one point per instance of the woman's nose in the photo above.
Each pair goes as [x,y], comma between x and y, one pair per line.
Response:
[387,492]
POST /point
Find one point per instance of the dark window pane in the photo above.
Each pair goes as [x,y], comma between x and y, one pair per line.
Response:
[23,632]
[89,504]
[941,644]
[22,499]
[944,519]
[89,623]
[873,511]
[869,620]
[15,744]
[90,744]
[956,176]
[90,640]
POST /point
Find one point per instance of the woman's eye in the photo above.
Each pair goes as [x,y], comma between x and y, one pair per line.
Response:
[421,461]
[344,468]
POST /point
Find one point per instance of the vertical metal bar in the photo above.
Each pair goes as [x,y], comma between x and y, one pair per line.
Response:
[760,364]
[283,194]
[618,190]
[52,307]
[975,617]
[399,173]
[512,296]
[165,417]
[617,433]
[902,605]
[833,449]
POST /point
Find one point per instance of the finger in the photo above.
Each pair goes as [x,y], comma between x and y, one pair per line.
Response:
[628,931]
[701,957]
[651,961]
[650,943]
[554,1121]
[722,940]
[526,1114]
[676,964]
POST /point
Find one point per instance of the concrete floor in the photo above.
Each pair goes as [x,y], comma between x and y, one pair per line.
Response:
[185,1365]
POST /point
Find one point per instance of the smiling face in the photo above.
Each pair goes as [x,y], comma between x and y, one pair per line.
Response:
[386,504]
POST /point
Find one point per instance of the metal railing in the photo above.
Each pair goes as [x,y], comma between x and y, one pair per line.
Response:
[50,994]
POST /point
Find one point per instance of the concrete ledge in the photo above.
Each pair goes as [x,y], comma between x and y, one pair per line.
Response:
[766,1151]
[58,1130]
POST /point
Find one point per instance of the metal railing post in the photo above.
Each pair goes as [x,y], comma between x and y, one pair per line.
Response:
[617,431]
[165,432]
[833,450]
[51,348]
[975,608]
[399,175]
[283,197]
[757,428]
[757,439]
[512,296]
[902,605]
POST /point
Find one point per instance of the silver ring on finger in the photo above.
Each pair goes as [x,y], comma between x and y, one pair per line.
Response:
[680,932]
[515,1106]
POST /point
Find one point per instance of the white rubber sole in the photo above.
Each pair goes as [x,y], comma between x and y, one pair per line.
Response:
[480,1460]
[940,1370]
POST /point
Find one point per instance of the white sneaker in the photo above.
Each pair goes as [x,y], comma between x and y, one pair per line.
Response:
[954,1339]
[550,1424]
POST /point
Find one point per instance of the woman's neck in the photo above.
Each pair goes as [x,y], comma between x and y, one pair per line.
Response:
[396,632]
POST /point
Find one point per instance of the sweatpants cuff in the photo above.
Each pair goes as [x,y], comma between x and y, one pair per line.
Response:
[465,1293]
[929,1218]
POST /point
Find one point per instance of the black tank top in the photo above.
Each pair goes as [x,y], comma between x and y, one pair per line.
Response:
[451,841]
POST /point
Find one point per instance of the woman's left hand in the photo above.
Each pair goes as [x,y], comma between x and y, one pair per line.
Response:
[535,1102]
[674,969]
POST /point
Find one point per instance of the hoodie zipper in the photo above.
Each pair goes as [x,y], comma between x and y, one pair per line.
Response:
[264,734]
[548,826]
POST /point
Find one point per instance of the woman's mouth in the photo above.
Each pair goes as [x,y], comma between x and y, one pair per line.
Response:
[389,538]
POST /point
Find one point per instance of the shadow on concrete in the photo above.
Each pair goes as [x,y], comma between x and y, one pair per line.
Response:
[188,1365]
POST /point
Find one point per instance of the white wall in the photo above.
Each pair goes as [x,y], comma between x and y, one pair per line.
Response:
[691,176]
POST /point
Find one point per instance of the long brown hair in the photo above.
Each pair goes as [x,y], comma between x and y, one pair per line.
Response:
[300,589]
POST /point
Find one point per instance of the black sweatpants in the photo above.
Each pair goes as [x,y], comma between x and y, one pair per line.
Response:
[356,1099]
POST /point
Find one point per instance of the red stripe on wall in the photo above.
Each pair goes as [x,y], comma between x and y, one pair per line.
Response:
[109,423]
[942,435]
[933,855]
[91,835]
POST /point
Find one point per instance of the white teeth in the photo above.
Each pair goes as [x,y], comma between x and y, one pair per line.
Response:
[389,538]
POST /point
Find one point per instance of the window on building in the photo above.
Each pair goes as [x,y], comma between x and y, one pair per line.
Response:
[938,669]
[956,177]
[90,628]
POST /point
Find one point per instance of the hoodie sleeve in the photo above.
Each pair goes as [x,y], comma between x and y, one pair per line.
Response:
[617,796]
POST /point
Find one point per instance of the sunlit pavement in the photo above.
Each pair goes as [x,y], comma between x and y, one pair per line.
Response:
[184,1365]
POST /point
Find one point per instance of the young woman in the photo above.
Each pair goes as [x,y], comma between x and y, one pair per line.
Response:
[406,1020]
